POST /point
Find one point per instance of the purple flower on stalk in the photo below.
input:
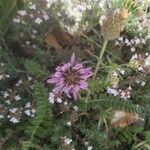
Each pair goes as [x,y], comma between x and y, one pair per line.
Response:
[70,78]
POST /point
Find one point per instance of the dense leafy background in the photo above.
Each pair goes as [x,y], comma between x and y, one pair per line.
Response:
[26,63]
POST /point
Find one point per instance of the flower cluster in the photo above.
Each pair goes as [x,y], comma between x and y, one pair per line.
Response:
[54,98]
[124,94]
[141,62]
[33,13]
[12,106]
[133,44]
[70,78]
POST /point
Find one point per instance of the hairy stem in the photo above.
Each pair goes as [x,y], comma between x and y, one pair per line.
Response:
[97,67]
[100,58]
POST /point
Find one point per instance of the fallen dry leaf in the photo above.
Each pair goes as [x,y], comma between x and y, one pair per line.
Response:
[122,119]
[57,39]
[51,41]
[63,37]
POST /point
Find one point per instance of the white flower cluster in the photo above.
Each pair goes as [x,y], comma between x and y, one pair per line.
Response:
[67,140]
[29,110]
[133,44]
[52,98]
[141,62]
[14,115]
[35,14]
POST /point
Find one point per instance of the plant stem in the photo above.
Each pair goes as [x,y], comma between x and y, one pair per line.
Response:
[97,67]
[100,58]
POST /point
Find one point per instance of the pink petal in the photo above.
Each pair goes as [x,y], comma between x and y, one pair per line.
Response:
[83,85]
[75,95]
[77,89]
[77,67]
[72,60]
[58,68]
[58,89]
[66,90]
[52,80]
[58,74]
[66,67]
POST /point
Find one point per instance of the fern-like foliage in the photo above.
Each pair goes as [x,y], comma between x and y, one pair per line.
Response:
[115,103]
[35,69]
[35,131]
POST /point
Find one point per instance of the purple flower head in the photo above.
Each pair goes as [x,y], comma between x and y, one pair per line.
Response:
[70,78]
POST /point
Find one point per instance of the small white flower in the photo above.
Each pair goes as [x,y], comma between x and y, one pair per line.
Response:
[28,105]
[137,81]
[76,108]
[22,12]
[14,120]
[13,110]
[31,15]
[28,42]
[130,88]
[89,148]
[27,112]
[140,68]
[7,76]
[32,115]
[120,38]
[122,72]
[114,73]
[19,82]
[1,77]
[17,97]
[8,102]
[68,140]
[51,100]
[1,116]
[6,94]
[137,41]
[117,43]
[132,49]
[2,64]
[102,19]
[146,54]
[143,83]
[86,143]
[65,103]
[38,20]
[147,61]
[59,100]
[51,94]
[33,110]
[34,31]
[143,40]
[46,17]
[68,124]
[33,7]
[112,91]
[16,20]
[134,56]
[127,42]
[132,41]
[29,78]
